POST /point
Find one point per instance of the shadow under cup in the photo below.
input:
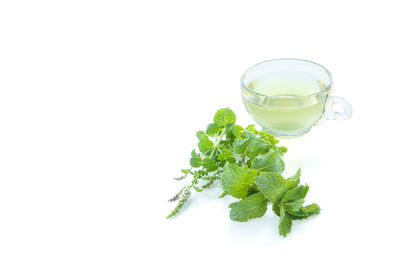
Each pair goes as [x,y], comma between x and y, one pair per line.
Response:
[288,96]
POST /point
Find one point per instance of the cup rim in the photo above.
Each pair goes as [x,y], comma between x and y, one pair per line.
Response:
[328,86]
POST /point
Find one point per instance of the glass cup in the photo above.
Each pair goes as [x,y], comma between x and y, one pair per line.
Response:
[289,96]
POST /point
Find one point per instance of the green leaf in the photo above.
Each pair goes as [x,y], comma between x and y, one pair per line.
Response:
[293,206]
[294,180]
[201,135]
[224,116]
[277,209]
[212,129]
[197,188]
[250,146]
[205,145]
[268,137]
[232,131]
[313,209]
[209,164]
[272,185]
[297,193]
[283,149]
[195,160]
[237,181]
[252,128]
[271,162]
[253,206]
[185,171]
[305,212]
[225,154]
[285,224]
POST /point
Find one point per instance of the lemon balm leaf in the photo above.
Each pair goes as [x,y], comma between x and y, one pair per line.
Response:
[297,193]
[294,180]
[236,181]
[285,224]
[224,116]
[209,164]
[225,154]
[195,160]
[253,206]
[271,162]
[201,135]
[250,145]
[271,185]
[247,163]
[212,129]
[205,145]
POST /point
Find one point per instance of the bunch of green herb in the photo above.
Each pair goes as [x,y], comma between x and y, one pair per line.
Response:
[248,165]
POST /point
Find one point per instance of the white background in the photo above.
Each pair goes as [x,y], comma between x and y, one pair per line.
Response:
[100,102]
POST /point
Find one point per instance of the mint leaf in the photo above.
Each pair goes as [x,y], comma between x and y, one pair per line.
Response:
[297,193]
[305,212]
[205,145]
[224,116]
[252,128]
[209,164]
[313,209]
[294,180]
[285,224]
[271,185]
[195,160]
[237,181]
[293,206]
[271,162]
[253,206]
[232,131]
[201,135]
[250,146]
[225,154]
[276,209]
[212,129]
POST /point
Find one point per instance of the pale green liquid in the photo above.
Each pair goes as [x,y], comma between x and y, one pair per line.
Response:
[287,107]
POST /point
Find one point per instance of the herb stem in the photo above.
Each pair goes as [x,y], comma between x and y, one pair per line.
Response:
[218,140]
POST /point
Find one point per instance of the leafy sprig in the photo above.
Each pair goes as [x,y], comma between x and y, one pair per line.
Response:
[248,165]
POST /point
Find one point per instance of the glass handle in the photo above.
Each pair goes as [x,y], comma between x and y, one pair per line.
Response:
[337,108]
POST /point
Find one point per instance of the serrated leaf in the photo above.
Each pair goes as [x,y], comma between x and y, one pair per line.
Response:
[305,212]
[231,131]
[313,209]
[268,137]
[209,164]
[293,206]
[297,193]
[285,224]
[225,154]
[272,185]
[276,209]
[212,129]
[201,135]
[294,180]
[237,181]
[224,116]
[195,160]
[252,128]
[205,145]
[271,162]
[253,206]
[250,145]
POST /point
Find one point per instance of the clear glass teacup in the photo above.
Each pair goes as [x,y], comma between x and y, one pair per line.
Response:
[288,96]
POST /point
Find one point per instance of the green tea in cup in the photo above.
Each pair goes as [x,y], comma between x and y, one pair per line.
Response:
[288,96]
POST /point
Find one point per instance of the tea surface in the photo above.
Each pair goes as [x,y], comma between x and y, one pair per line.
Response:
[288,105]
